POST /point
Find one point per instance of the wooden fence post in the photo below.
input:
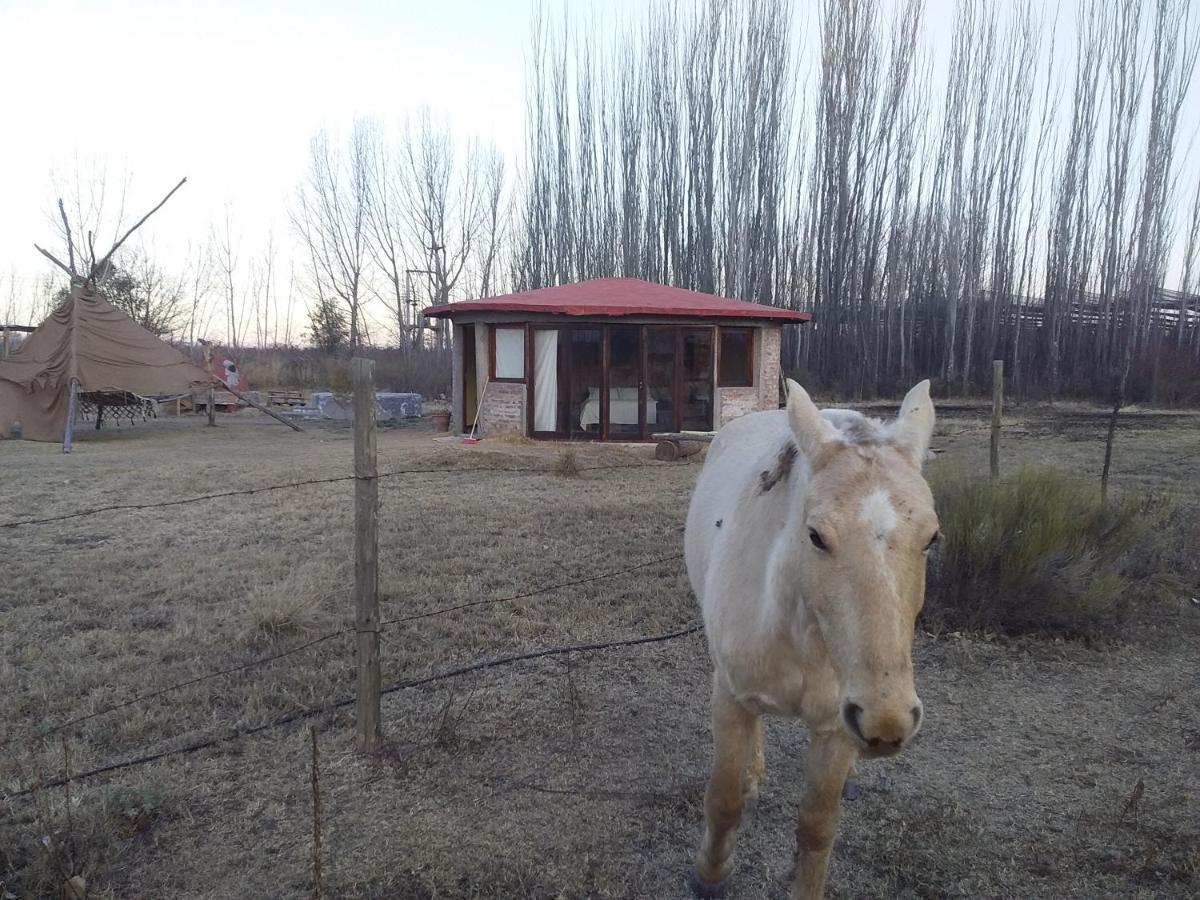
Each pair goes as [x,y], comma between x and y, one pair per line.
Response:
[315,779]
[69,431]
[212,408]
[366,556]
[997,410]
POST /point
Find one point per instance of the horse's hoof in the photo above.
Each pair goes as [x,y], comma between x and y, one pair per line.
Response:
[749,806]
[705,891]
[851,790]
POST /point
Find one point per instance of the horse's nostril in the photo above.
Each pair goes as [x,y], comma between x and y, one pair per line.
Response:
[852,713]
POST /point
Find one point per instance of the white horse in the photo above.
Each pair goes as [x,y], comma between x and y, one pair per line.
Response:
[805,544]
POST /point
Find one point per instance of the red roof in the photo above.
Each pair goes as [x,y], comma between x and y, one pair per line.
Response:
[619,297]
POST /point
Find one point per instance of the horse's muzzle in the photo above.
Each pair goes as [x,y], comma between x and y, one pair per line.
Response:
[878,731]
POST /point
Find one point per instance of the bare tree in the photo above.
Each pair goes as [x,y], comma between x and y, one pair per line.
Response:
[88,210]
[443,202]
[913,218]
[226,241]
[330,218]
[10,303]
[493,224]
[387,227]
[153,297]
[263,294]
[1190,282]
[199,275]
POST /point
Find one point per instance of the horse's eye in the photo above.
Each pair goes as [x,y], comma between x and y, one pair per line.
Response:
[817,540]
[937,536]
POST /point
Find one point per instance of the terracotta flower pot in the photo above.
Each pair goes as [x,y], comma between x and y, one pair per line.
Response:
[441,421]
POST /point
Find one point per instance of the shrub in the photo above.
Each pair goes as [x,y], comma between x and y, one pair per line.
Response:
[1041,553]
[280,611]
[567,464]
[47,842]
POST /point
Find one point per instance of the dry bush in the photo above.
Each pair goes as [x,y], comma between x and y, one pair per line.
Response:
[280,611]
[1042,553]
[567,464]
[53,839]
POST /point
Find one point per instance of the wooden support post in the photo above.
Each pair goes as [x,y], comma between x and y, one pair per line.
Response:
[261,408]
[317,868]
[212,407]
[69,431]
[366,556]
[997,411]
[4,353]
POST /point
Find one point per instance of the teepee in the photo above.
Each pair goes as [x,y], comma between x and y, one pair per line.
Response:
[87,345]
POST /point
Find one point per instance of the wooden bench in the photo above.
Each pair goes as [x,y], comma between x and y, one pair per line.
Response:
[286,398]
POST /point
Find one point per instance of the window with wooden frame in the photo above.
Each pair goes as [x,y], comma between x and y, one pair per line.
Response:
[507,353]
[737,358]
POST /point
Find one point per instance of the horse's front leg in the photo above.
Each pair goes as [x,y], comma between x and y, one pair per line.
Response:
[733,737]
[830,758]
[756,764]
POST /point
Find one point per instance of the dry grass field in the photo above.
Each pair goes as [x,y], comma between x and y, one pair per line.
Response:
[1045,768]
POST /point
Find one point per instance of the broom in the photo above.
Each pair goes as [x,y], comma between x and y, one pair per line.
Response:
[471,439]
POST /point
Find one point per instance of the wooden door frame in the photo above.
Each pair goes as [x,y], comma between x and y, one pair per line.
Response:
[605,349]
[470,374]
[713,338]
[606,375]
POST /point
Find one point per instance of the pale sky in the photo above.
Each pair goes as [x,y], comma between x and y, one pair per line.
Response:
[230,93]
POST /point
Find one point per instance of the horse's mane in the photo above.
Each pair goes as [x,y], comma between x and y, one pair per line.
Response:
[855,428]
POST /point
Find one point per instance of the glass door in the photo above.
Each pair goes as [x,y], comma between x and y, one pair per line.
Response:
[584,381]
[624,382]
[696,378]
[660,378]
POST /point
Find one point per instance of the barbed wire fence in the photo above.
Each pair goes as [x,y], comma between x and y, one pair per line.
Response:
[146,757]
[39,783]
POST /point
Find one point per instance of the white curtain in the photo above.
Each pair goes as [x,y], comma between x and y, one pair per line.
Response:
[545,380]
[510,352]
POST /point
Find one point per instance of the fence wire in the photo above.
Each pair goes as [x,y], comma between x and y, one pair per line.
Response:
[245,492]
[310,711]
[151,695]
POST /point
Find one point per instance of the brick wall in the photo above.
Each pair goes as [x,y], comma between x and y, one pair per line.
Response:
[769,344]
[737,401]
[503,409]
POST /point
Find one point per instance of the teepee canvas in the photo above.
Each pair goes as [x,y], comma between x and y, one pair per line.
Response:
[91,343]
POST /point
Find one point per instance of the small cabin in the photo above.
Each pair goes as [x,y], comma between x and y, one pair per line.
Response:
[611,359]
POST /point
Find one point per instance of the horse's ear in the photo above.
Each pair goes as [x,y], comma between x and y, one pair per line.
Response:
[808,425]
[914,425]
